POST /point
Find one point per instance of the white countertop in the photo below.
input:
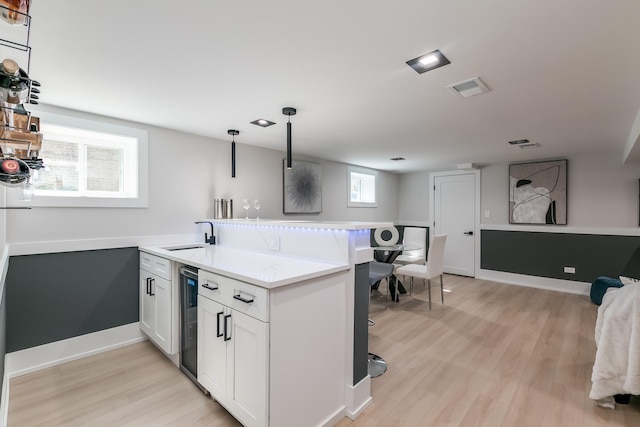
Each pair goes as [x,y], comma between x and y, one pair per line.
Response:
[332,225]
[264,270]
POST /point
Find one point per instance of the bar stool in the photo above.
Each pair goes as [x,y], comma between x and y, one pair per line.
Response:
[378,271]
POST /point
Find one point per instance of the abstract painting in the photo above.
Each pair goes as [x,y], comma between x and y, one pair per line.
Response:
[538,193]
[302,187]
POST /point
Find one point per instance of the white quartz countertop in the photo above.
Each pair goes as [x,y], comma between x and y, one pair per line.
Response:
[332,225]
[264,270]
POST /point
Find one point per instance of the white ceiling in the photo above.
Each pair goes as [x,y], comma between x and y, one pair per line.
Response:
[564,74]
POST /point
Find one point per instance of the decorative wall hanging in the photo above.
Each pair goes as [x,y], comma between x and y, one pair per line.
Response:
[538,193]
[302,187]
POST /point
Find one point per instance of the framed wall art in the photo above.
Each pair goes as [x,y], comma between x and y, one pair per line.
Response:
[302,187]
[538,193]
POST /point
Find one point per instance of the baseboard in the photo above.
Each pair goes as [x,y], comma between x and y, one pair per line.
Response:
[335,418]
[559,285]
[358,397]
[4,403]
[44,356]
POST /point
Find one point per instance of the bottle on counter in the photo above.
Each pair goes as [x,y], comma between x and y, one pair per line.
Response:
[218,208]
[228,208]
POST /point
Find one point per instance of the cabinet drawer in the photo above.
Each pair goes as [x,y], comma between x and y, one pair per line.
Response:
[209,285]
[156,265]
[241,296]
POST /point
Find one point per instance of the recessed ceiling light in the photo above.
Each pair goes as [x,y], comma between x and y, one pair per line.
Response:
[395,159]
[428,61]
[262,122]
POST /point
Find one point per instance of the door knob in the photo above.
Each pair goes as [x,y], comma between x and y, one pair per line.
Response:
[469,233]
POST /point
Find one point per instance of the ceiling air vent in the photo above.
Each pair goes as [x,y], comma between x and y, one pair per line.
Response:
[468,88]
[524,143]
[530,145]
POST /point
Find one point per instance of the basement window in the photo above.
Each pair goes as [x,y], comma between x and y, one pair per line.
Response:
[89,164]
[362,188]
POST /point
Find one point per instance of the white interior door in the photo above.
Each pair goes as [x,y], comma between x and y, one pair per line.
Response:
[454,214]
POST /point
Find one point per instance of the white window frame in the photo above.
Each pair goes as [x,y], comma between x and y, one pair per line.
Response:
[135,197]
[362,171]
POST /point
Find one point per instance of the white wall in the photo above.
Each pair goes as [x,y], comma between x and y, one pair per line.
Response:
[414,198]
[186,173]
[259,175]
[602,193]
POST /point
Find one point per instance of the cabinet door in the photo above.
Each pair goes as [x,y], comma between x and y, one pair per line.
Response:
[212,352]
[147,304]
[248,360]
[161,290]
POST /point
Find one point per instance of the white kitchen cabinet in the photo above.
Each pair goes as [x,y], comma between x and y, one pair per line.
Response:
[233,347]
[155,300]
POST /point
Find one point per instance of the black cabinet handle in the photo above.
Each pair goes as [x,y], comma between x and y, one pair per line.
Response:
[469,233]
[148,288]
[152,280]
[226,328]
[244,300]
[218,333]
[206,286]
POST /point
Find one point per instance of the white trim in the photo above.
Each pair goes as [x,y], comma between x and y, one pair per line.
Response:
[358,397]
[47,355]
[334,418]
[620,231]
[476,215]
[363,255]
[559,285]
[4,266]
[4,403]
[415,224]
[55,246]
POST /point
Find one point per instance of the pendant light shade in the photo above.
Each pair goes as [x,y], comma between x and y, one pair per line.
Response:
[233,134]
[289,111]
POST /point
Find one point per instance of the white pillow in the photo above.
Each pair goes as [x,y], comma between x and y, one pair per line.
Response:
[629,280]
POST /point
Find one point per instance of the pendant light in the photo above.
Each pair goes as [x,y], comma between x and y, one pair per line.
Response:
[289,111]
[233,134]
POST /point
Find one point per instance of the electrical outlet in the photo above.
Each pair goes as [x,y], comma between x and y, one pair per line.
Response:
[570,270]
[487,213]
[274,243]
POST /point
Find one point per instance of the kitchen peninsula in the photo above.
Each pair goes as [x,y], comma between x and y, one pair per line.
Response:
[295,297]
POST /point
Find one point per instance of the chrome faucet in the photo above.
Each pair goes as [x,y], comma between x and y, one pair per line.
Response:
[210,240]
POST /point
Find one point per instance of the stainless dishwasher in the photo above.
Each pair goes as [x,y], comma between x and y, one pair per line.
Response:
[189,323]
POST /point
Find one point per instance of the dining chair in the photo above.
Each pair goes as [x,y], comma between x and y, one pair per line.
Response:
[433,268]
[413,236]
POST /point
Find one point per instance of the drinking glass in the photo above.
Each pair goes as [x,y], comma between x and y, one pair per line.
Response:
[256,204]
[246,206]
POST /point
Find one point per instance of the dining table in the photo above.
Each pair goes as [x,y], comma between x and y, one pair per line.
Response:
[388,254]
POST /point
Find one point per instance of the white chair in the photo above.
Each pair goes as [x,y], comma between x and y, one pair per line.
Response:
[413,236]
[433,268]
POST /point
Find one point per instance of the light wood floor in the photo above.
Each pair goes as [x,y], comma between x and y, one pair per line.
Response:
[494,355]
